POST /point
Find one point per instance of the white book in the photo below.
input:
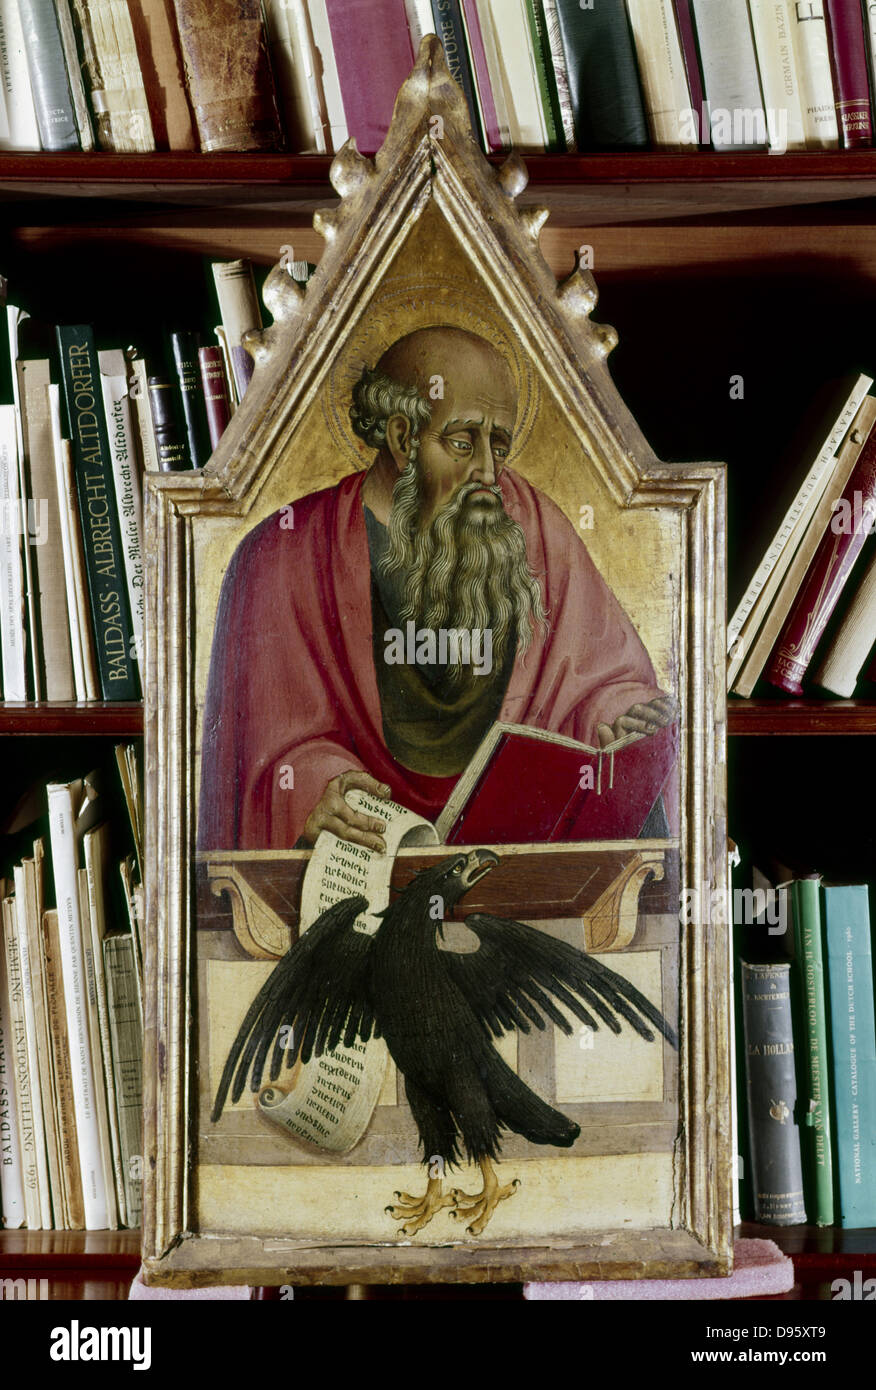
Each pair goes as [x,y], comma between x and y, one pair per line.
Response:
[129,494]
[421,21]
[98,1032]
[662,74]
[12,1205]
[73,808]
[812,48]
[19,1061]
[730,76]
[331,87]
[779,78]
[825,460]
[870,30]
[4,114]
[844,659]
[12,631]
[14,318]
[292,60]
[65,503]
[33,1052]
[516,72]
[23,131]
[494,67]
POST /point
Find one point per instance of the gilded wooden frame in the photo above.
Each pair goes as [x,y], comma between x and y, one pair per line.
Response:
[429,157]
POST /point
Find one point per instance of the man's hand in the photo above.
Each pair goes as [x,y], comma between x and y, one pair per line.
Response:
[640,719]
[333,813]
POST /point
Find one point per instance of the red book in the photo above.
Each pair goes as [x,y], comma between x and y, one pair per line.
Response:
[848,49]
[573,791]
[374,54]
[478,56]
[690,51]
[216,397]
[831,566]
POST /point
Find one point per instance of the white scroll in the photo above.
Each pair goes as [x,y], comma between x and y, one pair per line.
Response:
[330,1099]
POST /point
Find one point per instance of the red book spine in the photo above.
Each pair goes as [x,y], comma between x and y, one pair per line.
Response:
[849,61]
[216,397]
[373,51]
[839,549]
[690,51]
[478,55]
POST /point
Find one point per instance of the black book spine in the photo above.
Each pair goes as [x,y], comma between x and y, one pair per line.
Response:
[52,101]
[451,31]
[191,394]
[98,511]
[172,452]
[607,105]
[771,1089]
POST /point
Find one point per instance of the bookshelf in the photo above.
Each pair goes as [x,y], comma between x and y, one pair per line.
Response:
[756,265]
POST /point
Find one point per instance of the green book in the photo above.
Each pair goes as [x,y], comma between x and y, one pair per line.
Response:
[813,1061]
[544,72]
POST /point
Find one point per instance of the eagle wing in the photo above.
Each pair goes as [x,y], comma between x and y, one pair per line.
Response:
[518,975]
[319,992]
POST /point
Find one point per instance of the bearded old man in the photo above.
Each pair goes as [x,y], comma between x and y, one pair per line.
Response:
[307,697]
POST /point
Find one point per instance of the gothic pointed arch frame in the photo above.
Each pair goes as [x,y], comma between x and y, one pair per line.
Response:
[430,200]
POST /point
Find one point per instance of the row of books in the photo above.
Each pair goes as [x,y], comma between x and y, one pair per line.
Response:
[71,1019]
[78,429]
[139,75]
[806,1041]
[808,616]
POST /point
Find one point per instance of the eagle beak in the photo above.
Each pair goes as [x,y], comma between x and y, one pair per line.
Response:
[477,866]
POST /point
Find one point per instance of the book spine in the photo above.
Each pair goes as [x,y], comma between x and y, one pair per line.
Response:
[812,47]
[845,26]
[48,75]
[450,29]
[23,133]
[483,82]
[215,388]
[771,1090]
[771,22]
[293,72]
[74,75]
[730,76]
[37,1052]
[12,631]
[661,71]
[92,906]
[126,480]
[239,313]
[21,1070]
[870,39]
[687,35]
[73,966]
[373,55]
[156,41]
[847,653]
[853,1035]
[112,64]
[12,1205]
[126,1036]
[66,516]
[191,396]
[228,74]
[607,104]
[55,658]
[811,1029]
[111,620]
[839,548]
[172,454]
[138,394]
[544,73]
[63,1074]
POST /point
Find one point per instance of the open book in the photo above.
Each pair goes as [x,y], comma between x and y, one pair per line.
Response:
[524,786]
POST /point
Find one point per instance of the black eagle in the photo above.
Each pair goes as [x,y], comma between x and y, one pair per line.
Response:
[438,1010]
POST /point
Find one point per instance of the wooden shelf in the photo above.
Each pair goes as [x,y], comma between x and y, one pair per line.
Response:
[595,188]
[112,720]
[763,718]
[71,1265]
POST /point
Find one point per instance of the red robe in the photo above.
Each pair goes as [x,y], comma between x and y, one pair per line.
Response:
[292,682]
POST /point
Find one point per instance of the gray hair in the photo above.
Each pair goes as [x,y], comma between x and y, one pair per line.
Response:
[376,398]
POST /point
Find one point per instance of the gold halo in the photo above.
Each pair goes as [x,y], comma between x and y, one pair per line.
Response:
[401,307]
